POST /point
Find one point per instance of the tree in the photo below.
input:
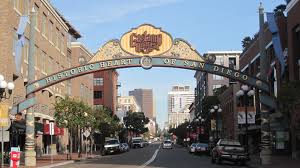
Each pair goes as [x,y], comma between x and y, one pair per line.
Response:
[137,120]
[70,113]
[279,10]
[289,98]
[246,42]
[105,122]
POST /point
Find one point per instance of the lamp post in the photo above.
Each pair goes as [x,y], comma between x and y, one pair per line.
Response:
[217,110]
[245,92]
[5,85]
[3,95]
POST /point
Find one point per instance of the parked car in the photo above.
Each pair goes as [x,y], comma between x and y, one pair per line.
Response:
[167,144]
[111,146]
[138,143]
[124,147]
[229,150]
[202,148]
[192,148]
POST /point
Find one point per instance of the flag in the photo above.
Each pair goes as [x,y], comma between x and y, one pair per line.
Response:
[20,42]
[276,40]
[22,25]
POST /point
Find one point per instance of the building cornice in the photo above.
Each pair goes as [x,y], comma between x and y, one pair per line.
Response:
[290,5]
[82,46]
[55,14]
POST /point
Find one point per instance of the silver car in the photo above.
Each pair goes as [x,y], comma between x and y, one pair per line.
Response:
[167,144]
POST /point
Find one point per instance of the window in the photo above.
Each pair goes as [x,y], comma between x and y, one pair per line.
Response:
[51,64]
[98,81]
[57,37]
[51,31]
[43,63]
[217,77]
[81,60]
[36,8]
[216,87]
[232,63]
[219,60]
[44,22]
[97,94]
[62,41]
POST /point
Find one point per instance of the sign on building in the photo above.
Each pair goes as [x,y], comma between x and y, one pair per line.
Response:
[242,117]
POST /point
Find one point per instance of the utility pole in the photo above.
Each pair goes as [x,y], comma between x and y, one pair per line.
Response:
[30,154]
[265,154]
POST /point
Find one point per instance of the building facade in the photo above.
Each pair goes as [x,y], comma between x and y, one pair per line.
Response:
[207,83]
[106,89]
[82,87]
[52,53]
[144,98]
[179,100]
[125,104]
[293,33]
[250,64]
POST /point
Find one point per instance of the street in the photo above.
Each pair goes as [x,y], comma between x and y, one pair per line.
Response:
[178,157]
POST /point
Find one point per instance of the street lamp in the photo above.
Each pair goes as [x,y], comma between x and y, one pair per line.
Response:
[3,85]
[216,109]
[245,92]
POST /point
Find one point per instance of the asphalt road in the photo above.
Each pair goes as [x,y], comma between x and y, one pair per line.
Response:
[151,157]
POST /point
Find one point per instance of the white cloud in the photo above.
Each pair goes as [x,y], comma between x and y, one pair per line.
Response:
[108,12]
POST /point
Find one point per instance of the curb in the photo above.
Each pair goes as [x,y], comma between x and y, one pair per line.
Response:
[58,164]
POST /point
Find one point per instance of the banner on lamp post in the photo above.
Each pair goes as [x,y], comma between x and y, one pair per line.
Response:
[4,119]
[213,125]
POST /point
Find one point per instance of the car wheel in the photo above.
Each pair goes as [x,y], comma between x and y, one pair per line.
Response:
[242,163]
[212,159]
[219,161]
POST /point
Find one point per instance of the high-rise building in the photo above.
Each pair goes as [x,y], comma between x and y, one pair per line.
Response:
[106,89]
[144,98]
[179,100]
[207,83]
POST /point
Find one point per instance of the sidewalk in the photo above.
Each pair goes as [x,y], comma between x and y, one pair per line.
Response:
[60,159]
[276,162]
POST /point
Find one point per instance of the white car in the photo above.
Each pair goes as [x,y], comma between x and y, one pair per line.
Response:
[192,148]
[167,144]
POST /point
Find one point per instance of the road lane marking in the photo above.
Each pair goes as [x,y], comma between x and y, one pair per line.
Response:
[152,158]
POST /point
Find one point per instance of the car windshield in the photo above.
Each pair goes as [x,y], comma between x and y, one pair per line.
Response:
[193,145]
[167,142]
[136,141]
[124,144]
[202,145]
[230,143]
[111,142]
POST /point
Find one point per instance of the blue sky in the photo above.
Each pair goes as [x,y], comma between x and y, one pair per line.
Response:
[207,24]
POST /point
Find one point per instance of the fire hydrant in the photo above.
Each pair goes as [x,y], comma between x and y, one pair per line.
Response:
[14,157]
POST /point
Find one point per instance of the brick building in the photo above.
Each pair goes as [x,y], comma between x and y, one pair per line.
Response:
[54,35]
[106,89]
[293,32]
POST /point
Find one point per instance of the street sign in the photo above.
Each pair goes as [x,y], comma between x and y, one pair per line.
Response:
[86,133]
[242,117]
[51,128]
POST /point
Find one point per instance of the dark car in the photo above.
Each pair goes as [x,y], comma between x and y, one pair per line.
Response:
[202,148]
[229,150]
